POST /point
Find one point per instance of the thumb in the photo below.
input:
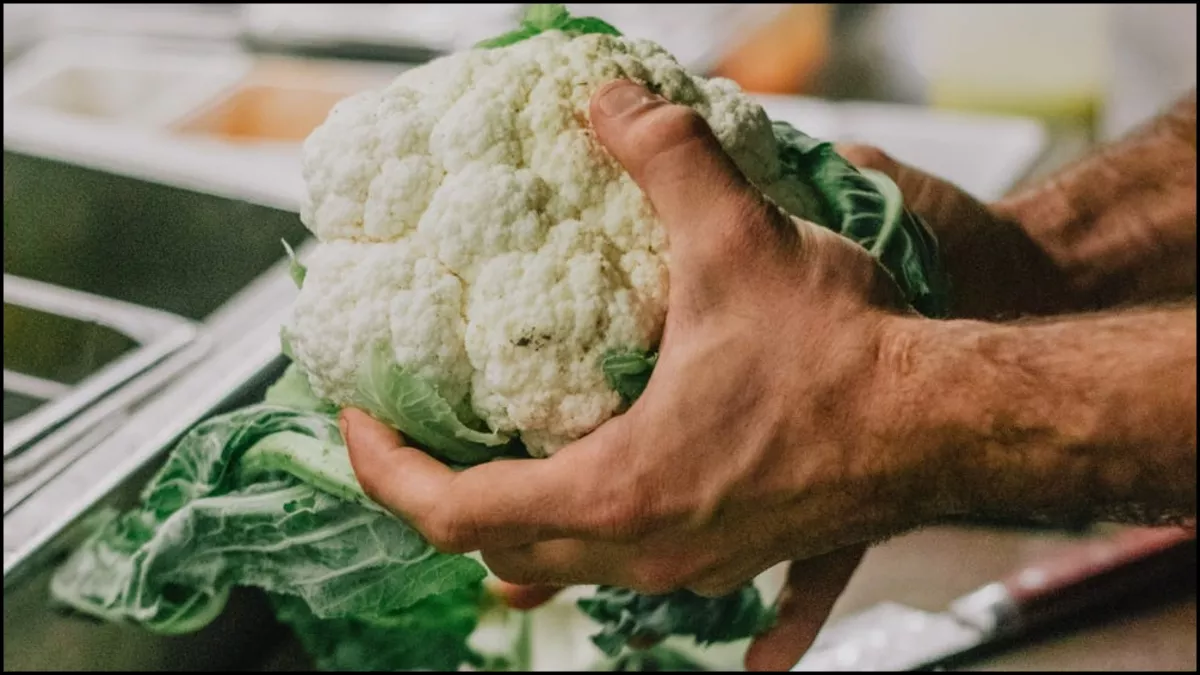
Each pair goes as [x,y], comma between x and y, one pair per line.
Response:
[697,191]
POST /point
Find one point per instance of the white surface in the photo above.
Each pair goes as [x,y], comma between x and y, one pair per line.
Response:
[1152,61]
[46,90]
[21,26]
[110,79]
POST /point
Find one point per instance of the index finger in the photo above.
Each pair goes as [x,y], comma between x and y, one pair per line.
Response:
[501,504]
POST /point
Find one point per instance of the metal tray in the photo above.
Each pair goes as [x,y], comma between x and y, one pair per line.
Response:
[242,360]
[67,351]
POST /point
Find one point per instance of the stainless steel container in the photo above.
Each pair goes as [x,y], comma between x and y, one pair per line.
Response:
[162,252]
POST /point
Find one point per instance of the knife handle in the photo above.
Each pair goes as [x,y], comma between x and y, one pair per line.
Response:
[1095,574]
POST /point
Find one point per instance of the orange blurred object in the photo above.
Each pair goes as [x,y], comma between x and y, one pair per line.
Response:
[265,113]
[785,55]
[281,100]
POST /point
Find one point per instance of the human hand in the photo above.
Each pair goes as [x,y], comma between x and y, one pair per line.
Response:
[764,435]
[996,270]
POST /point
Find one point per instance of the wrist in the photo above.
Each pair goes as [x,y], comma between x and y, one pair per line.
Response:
[1075,419]
[987,432]
[917,428]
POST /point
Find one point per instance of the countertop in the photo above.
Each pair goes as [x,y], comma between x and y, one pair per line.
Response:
[929,568]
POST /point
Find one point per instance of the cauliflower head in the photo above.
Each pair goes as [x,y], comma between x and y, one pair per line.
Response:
[469,221]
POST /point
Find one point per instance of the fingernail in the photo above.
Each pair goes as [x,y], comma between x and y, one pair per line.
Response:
[617,98]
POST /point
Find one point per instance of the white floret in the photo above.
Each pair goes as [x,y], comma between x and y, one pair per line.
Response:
[470,220]
[357,295]
[538,325]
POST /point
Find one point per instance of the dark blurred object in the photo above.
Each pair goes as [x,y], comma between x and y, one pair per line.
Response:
[395,33]
[1072,525]
[865,62]
[348,50]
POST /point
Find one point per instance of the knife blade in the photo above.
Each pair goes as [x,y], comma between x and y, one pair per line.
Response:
[895,637]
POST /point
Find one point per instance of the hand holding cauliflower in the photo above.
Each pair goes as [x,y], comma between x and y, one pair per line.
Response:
[473,228]
[492,283]
[772,393]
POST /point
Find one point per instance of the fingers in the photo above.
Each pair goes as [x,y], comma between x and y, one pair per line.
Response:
[524,597]
[928,195]
[402,479]
[651,567]
[812,587]
[566,562]
[703,199]
[500,504]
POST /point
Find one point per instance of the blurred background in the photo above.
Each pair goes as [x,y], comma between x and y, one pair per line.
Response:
[1086,71]
[1103,66]
[151,158]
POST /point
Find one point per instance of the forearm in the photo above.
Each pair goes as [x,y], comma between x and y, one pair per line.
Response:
[1120,226]
[1083,418]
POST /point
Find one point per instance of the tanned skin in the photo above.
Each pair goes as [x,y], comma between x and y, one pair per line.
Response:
[1091,409]
[798,411]
[1116,228]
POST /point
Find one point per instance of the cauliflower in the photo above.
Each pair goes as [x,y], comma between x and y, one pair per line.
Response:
[469,220]
[489,282]
[473,229]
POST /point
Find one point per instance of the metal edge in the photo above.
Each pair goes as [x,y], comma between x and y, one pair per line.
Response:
[241,354]
[31,469]
[160,334]
[189,407]
[136,321]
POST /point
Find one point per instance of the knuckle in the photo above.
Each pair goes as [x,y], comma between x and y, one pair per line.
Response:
[669,126]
